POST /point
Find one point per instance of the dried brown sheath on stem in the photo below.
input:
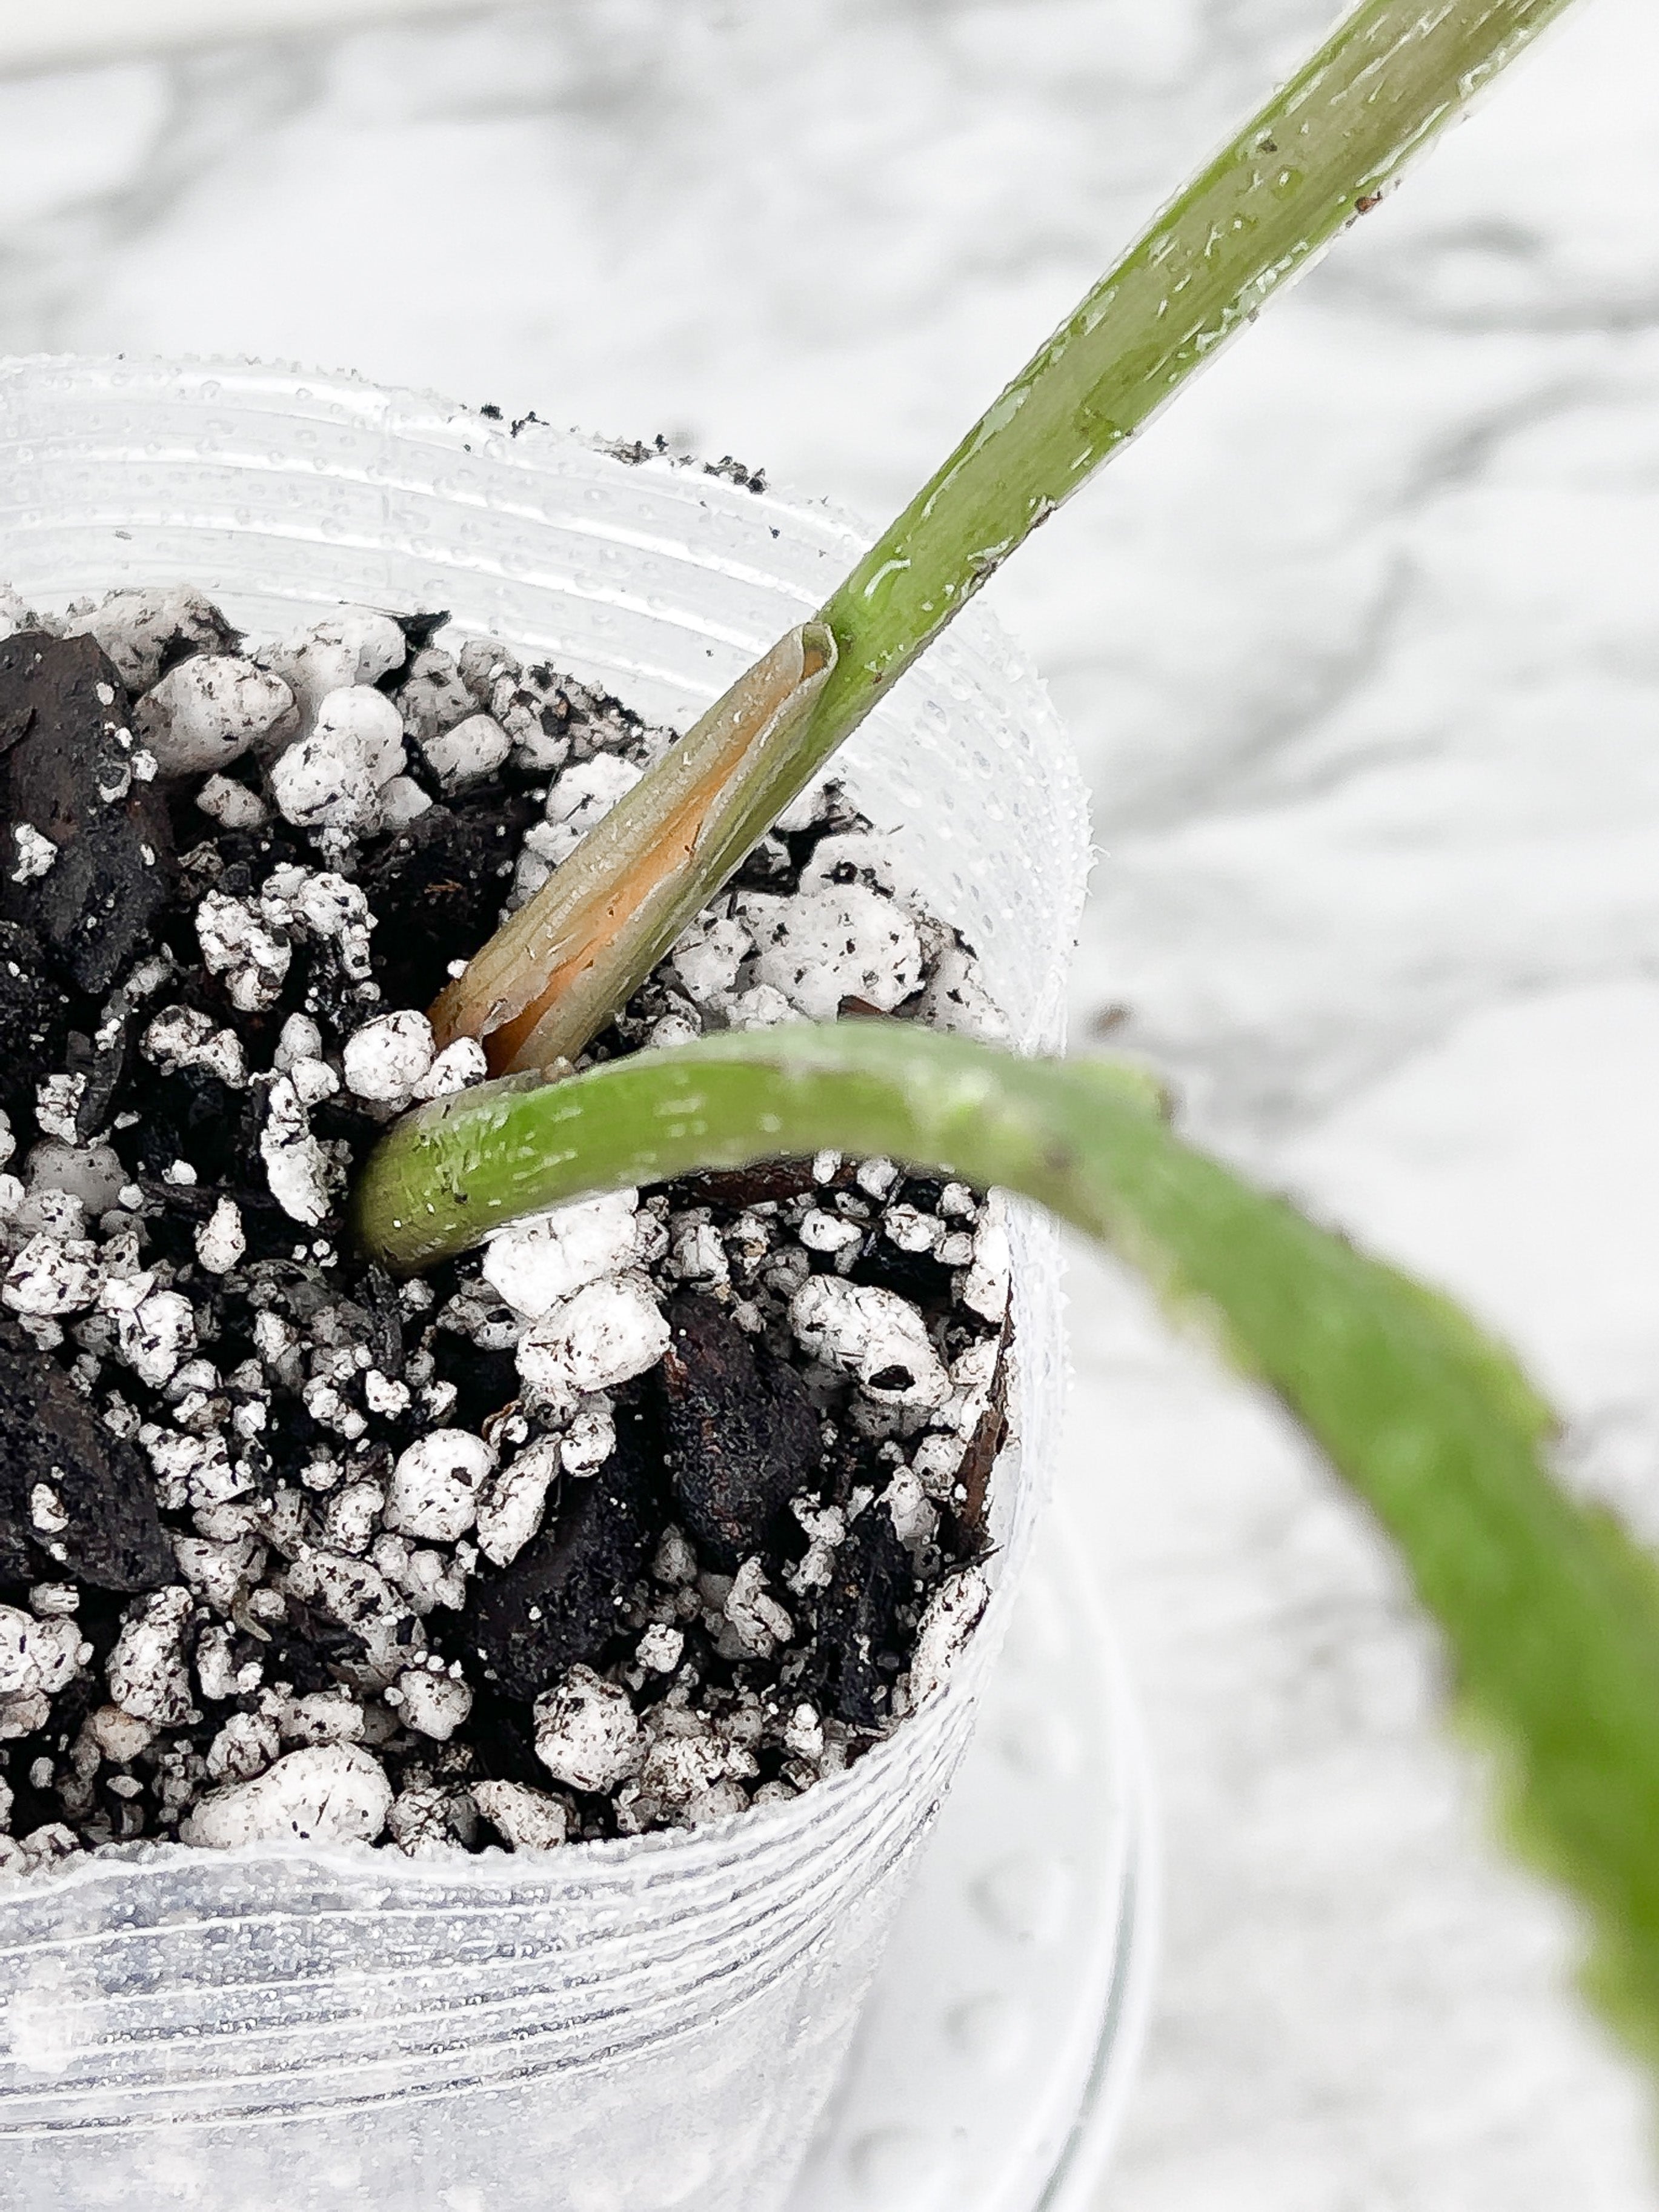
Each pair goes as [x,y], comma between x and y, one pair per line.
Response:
[557,970]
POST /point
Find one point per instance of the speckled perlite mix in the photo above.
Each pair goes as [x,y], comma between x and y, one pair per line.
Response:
[658,1506]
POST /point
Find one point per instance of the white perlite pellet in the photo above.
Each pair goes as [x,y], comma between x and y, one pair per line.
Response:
[660,1648]
[119,1736]
[765,1008]
[50,1276]
[402,801]
[511,1505]
[684,1761]
[388,1056]
[431,696]
[134,628]
[589,1439]
[334,910]
[588,1735]
[985,1286]
[457,1067]
[585,793]
[238,943]
[873,1334]
[182,1036]
[39,1656]
[358,1595]
[367,719]
[698,1254]
[332,779]
[299,1038]
[953,1611]
[147,1672]
[61,1178]
[606,1335]
[322,1717]
[330,1792]
[35,854]
[357,645]
[839,859]
[529,1820]
[753,1616]
[21,1714]
[300,1173]
[536,1263]
[245,1746]
[54,1600]
[957,1001]
[57,1105]
[707,956]
[220,1241]
[913,1513]
[219,1572]
[154,1336]
[207,712]
[842,942]
[828,1232]
[230,804]
[467,752]
[580,798]
[433,1704]
[434,1491]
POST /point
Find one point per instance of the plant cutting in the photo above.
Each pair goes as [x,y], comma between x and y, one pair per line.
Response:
[1435,1426]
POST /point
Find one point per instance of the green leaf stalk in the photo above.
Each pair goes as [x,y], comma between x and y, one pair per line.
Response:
[1550,1616]
[1318,153]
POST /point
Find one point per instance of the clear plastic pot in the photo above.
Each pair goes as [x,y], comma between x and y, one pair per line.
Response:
[621,2027]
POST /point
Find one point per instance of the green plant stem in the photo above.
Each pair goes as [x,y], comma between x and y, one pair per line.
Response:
[1318,155]
[1551,1615]
[1321,150]
[555,972]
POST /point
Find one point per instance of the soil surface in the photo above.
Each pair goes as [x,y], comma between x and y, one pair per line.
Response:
[659,1506]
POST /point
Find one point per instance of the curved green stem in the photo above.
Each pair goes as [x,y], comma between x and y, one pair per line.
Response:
[1551,1615]
[1320,151]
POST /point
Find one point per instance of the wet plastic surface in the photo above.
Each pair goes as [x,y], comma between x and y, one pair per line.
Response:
[612,2028]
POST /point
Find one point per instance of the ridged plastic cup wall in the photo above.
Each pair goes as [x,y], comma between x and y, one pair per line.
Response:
[613,2027]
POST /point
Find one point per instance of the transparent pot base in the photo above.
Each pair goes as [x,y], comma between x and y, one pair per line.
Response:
[994,2056]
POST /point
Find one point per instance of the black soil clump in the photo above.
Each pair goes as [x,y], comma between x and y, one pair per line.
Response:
[73,1499]
[561,1602]
[743,1437]
[67,771]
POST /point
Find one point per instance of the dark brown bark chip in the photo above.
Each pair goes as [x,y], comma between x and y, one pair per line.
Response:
[970,1528]
[558,1603]
[730,1190]
[65,771]
[742,1435]
[34,1016]
[437,888]
[192,1115]
[308,1650]
[419,630]
[486,1383]
[384,1335]
[861,1642]
[48,1434]
[917,1276]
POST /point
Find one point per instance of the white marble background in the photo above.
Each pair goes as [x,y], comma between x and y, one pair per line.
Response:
[1360,649]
